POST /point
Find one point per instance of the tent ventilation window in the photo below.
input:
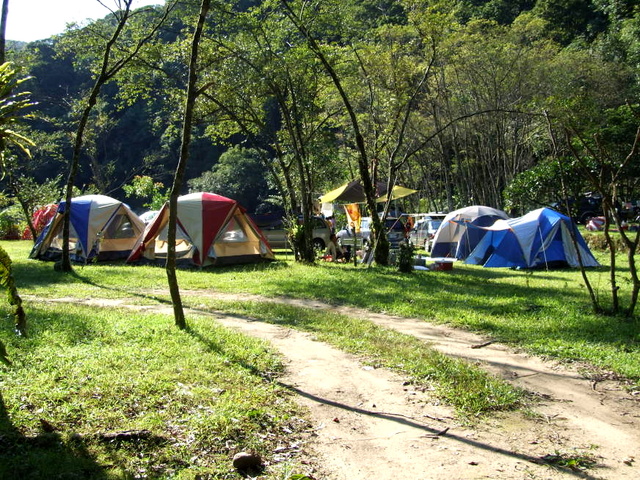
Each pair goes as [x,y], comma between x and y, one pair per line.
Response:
[119,227]
[233,232]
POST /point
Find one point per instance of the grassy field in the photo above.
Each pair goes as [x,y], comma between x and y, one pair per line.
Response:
[115,394]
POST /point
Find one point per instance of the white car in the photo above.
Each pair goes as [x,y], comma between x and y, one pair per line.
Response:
[424,231]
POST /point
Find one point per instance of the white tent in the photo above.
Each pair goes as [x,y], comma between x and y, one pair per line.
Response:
[454,240]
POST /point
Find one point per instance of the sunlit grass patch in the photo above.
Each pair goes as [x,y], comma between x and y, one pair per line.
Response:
[188,400]
[544,312]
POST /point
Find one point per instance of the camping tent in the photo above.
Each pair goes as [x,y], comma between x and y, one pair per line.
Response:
[541,238]
[100,227]
[454,240]
[211,230]
[40,219]
[353,192]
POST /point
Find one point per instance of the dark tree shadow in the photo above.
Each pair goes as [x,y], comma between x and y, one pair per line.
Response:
[44,456]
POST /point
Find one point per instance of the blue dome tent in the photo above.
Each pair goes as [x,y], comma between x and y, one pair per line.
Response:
[100,227]
[541,238]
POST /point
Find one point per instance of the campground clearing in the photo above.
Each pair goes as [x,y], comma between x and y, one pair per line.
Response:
[367,422]
[104,362]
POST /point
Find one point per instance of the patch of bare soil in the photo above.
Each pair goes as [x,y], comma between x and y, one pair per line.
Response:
[370,424]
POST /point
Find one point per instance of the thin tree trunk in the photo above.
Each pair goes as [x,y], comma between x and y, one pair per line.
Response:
[594,300]
[65,265]
[3,30]
[633,269]
[102,78]
[381,244]
[615,299]
[13,184]
[107,72]
[190,102]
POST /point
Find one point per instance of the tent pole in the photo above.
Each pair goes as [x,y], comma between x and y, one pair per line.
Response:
[544,250]
[355,248]
[466,234]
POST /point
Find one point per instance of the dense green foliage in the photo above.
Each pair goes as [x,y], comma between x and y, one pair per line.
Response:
[238,175]
[449,96]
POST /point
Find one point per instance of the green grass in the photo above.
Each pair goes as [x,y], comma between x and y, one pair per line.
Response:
[190,400]
[205,393]
[546,313]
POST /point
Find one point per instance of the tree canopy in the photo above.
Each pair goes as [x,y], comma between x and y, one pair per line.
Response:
[296,98]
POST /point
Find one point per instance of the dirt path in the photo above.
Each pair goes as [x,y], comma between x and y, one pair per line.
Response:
[368,424]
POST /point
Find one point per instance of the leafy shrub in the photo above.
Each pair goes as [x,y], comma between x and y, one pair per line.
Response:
[12,223]
[295,234]
[405,259]
[597,241]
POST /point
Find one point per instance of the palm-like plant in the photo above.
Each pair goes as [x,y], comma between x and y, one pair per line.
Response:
[12,111]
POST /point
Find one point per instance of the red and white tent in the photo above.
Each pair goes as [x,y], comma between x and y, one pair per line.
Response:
[211,230]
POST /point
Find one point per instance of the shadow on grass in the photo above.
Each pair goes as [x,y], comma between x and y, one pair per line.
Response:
[215,347]
[479,299]
[31,273]
[43,456]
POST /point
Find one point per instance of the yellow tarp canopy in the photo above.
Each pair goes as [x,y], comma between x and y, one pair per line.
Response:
[353,192]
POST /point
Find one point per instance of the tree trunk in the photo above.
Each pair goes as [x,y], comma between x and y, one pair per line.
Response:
[103,77]
[65,265]
[25,207]
[3,30]
[379,237]
[178,180]
[615,299]
[594,299]
[605,181]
